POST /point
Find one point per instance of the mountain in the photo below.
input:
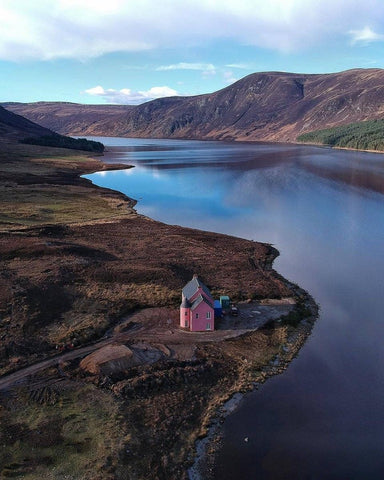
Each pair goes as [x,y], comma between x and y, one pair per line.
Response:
[272,106]
[15,127]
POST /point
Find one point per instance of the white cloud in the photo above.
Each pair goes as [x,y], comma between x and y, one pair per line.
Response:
[96,90]
[127,96]
[187,66]
[242,66]
[365,35]
[46,29]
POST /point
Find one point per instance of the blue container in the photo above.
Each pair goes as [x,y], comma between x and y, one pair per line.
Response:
[218,309]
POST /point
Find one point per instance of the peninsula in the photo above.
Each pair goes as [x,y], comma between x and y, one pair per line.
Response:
[97,379]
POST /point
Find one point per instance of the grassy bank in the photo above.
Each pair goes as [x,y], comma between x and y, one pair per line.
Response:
[41,186]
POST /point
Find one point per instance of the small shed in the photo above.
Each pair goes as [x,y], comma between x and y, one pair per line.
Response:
[225,302]
[218,309]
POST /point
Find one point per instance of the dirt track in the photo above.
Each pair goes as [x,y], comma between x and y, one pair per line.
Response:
[159,325]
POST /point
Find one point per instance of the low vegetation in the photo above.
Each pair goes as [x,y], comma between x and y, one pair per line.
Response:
[66,142]
[368,135]
[294,317]
[135,424]
[31,192]
[59,430]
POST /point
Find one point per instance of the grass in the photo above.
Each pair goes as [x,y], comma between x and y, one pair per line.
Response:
[22,206]
[74,436]
[29,196]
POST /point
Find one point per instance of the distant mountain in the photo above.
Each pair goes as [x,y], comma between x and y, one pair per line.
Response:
[15,127]
[270,106]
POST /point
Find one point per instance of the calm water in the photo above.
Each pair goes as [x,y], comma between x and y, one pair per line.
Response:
[324,210]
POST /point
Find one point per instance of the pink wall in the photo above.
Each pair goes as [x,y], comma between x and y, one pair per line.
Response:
[200,324]
[184,317]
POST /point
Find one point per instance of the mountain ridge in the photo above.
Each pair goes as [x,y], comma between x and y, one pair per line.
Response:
[269,106]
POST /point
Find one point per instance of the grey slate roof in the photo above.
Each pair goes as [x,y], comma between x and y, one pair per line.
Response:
[200,299]
[192,287]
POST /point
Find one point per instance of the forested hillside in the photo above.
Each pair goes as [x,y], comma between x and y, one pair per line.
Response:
[368,135]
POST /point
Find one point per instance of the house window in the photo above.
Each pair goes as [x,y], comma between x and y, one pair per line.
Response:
[186,323]
[208,326]
[197,315]
[186,313]
[208,315]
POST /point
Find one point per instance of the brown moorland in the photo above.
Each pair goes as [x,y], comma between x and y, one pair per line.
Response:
[77,259]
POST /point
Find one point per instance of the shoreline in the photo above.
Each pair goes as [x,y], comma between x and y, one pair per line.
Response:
[207,447]
[92,245]
[244,140]
[289,350]
[335,147]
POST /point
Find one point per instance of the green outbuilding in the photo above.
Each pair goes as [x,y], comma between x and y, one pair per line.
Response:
[225,302]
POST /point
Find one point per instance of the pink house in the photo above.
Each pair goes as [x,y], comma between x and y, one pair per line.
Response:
[196,309]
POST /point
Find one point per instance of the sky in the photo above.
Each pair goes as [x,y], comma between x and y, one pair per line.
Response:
[132,51]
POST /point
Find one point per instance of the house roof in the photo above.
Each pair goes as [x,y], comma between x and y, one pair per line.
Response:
[200,299]
[193,286]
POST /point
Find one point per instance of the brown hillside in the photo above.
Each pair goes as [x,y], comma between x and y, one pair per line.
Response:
[14,127]
[271,106]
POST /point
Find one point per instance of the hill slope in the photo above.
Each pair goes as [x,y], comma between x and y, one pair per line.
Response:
[15,127]
[270,106]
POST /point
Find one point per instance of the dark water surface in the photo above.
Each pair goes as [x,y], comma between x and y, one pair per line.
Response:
[324,210]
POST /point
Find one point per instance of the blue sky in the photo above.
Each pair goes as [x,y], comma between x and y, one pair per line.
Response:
[131,51]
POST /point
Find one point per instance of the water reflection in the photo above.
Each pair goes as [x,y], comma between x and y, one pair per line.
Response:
[322,419]
[359,169]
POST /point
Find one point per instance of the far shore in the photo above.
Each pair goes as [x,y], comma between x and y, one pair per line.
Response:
[248,141]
